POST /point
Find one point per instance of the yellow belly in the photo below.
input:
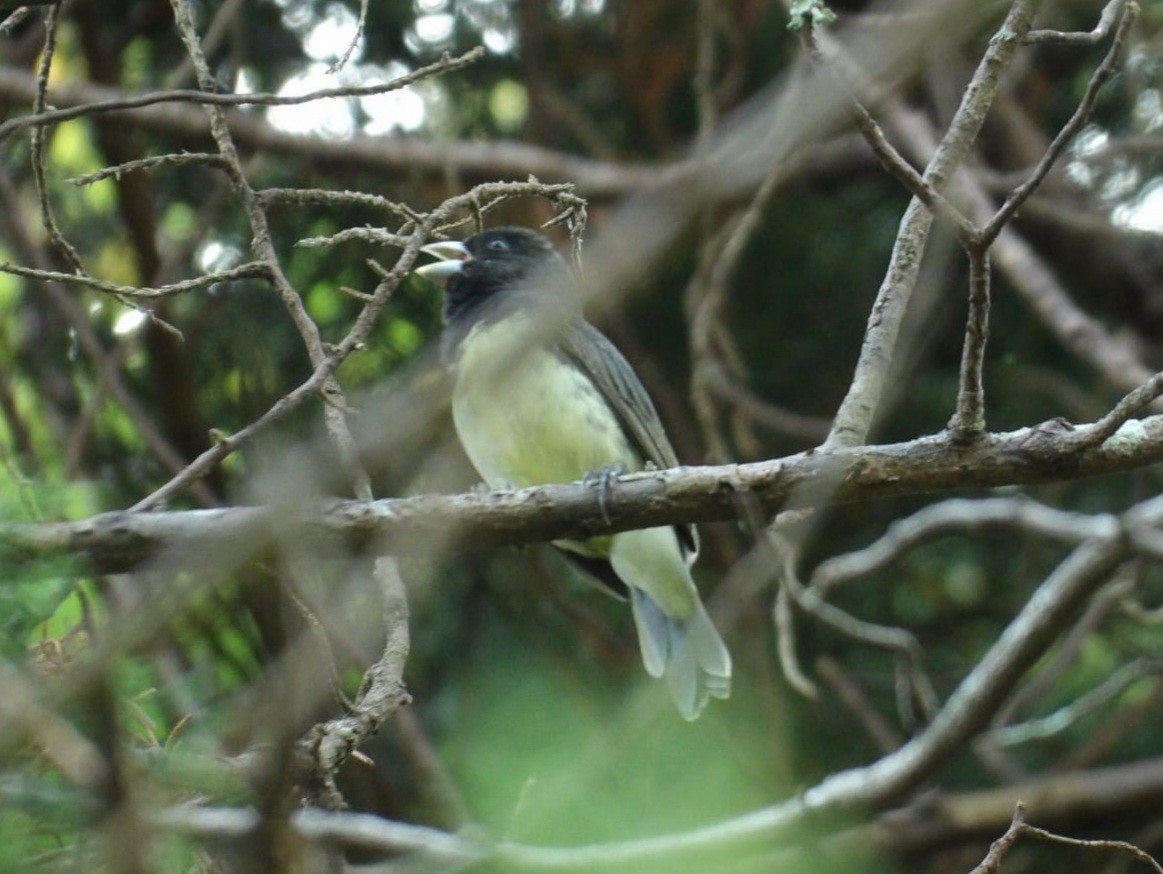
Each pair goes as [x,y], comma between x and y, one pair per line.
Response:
[538,420]
[532,419]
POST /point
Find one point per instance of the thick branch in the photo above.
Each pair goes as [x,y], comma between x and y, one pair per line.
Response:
[118,541]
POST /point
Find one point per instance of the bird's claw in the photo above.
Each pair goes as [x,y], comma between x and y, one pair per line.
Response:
[603,480]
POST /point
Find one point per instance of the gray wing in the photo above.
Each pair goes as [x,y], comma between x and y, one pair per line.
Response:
[591,351]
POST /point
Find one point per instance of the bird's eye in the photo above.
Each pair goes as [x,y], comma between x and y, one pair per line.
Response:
[498,245]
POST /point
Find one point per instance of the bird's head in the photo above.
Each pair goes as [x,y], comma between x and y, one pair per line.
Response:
[512,262]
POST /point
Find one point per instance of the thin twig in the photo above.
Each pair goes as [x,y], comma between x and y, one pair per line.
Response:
[785,641]
[253,270]
[327,745]
[1133,402]
[41,117]
[17,18]
[959,514]
[1019,829]
[366,234]
[856,413]
[342,60]
[178,158]
[62,246]
[853,697]
[1126,18]
[890,158]
[1081,38]
[320,195]
[1060,720]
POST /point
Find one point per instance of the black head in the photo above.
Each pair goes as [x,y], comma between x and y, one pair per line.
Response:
[494,270]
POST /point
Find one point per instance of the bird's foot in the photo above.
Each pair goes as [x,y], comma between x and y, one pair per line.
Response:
[603,480]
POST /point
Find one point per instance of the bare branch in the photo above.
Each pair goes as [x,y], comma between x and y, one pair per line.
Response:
[1063,798]
[784,554]
[1063,718]
[890,159]
[1126,19]
[329,744]
[253,270]
[651,498]
[854,418]
[1019,829]
[18,17]
[968,421]
[785,641]
[177,159]
[959,514]
[41,117]
[1134,402]
[341,61]
[1106,21]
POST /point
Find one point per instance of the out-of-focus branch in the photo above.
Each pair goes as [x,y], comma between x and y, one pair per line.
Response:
[854,699]
[41,117]
[874,785]
[16,18]
[1083,38]
[959,514]
[492,159]
[1060,801]
[798,426]
[1061,719]
[328,744]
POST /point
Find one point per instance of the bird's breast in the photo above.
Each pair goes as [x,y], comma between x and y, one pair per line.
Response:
[526,416]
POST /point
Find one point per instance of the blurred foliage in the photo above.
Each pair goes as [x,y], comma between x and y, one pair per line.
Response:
[525,680]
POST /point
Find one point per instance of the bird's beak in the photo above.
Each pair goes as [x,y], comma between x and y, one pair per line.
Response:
[453,256]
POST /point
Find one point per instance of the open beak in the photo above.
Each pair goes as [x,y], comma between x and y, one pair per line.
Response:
[453,256]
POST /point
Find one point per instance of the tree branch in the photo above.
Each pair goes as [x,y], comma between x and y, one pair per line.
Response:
[854,418]
[118,540]
[876,785]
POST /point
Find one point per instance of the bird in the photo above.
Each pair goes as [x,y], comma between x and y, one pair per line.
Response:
[533,406]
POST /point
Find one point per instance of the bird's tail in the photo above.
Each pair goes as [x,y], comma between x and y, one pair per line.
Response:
[689,653]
